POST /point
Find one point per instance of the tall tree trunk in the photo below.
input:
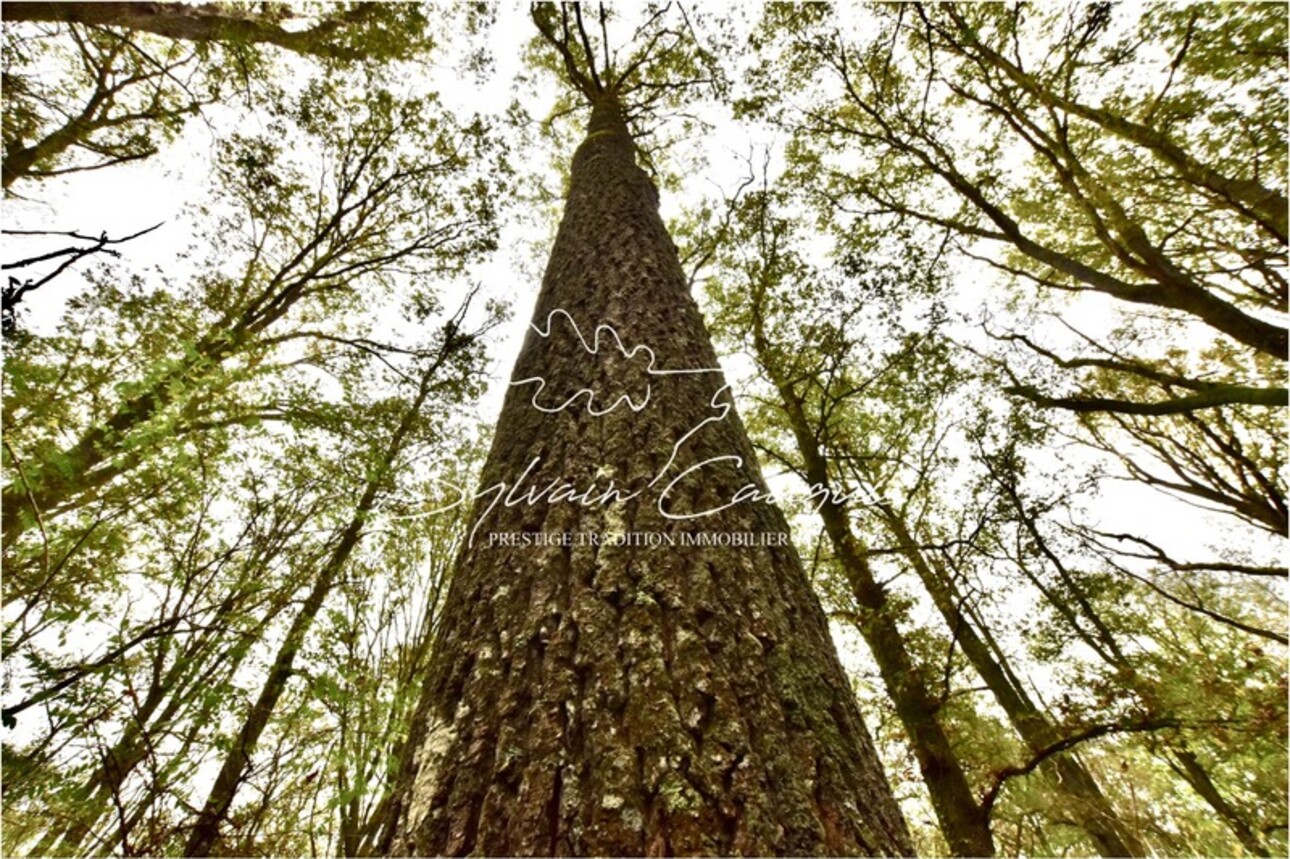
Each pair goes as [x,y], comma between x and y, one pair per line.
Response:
[1089,806]
[632,699]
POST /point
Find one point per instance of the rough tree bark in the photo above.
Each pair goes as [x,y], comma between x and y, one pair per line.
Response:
[631,699]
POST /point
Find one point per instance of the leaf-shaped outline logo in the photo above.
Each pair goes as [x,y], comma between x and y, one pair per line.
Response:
[593,348]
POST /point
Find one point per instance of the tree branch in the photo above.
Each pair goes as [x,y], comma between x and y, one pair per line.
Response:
[1002,776]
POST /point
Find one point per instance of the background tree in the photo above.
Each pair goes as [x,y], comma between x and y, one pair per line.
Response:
[306,249]
[190,448]
[1091,170]
[133,74]
[205,831]
[859,381]
[812,378]
[859,412]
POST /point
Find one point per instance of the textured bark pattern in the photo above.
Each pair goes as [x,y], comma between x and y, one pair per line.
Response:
[633,700]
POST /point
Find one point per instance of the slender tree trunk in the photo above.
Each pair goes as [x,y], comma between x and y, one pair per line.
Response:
[1194,773]
[1110,835]
[963,820]
[625,699]
[205,831]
